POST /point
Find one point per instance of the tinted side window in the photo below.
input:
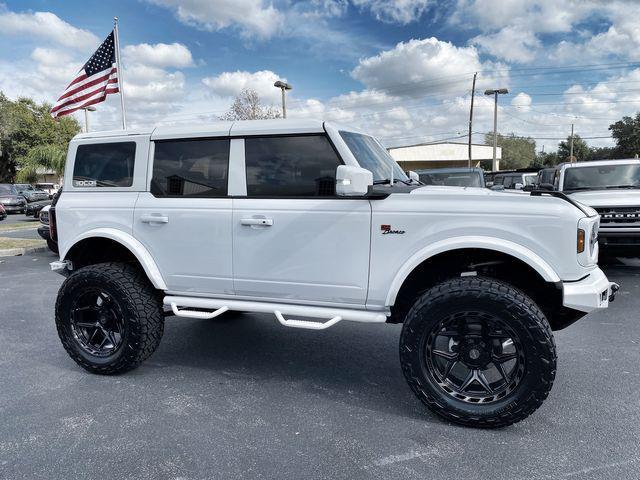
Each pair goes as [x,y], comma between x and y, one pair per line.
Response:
[190,168]
[508,181]
[303,166]
[104,165]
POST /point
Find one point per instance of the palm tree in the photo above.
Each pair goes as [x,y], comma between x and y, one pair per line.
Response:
[42,157]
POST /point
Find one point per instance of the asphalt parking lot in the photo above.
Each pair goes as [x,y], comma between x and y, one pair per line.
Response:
[247,398]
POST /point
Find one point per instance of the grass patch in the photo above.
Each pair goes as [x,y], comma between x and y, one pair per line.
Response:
[18,226]
[6,243]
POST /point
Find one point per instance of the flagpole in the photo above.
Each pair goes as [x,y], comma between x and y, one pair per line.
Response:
[119,68]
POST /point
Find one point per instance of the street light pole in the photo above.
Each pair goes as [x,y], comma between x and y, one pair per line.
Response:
[86,117]
[283,86]
[495,93]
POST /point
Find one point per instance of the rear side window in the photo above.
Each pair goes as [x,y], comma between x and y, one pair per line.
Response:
[302,166]
[190,168]
[104,165]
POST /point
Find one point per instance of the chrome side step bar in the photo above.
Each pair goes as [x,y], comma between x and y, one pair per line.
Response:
[181,306]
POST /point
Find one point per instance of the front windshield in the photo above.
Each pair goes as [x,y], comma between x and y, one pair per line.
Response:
[530,179]
[454,179]
[602,177]
[372,156]
[7,189]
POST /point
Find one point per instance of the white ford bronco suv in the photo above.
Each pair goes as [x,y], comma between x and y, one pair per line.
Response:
[612,188]
[316,224]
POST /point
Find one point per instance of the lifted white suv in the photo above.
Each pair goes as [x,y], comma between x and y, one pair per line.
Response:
[316,224]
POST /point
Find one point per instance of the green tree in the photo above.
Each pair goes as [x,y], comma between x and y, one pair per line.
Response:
[546,159]
[601,153]
[517,152]
[26,124]
[580,149]
[39,158]
[627,135]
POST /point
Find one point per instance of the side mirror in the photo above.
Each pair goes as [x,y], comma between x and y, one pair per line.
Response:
[413,176]
[352,181]
[497,187]
[519,186]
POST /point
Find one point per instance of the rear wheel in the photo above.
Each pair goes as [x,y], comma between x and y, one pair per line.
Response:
[109,317]
[478,352]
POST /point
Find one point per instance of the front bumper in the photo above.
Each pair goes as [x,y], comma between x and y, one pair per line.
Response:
[44,232]
[21,208]
[593,292]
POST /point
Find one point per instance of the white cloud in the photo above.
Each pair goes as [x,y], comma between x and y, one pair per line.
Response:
[395,11]
[522,101]
[252,17]
[417,67]
[159,55]
[549,16]
[230,84]
[513,44]
[48,26]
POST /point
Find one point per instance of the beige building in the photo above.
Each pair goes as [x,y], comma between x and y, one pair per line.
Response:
[445,154]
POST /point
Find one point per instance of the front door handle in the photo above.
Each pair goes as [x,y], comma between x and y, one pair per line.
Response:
[154,219]
[267,222]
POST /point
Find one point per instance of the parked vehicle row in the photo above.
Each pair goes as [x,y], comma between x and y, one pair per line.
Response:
[24,198]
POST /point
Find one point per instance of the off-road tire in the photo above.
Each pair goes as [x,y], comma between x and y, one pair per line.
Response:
[140,303]
[494,297]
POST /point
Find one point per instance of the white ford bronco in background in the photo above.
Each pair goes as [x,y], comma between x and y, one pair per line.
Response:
[316,224]
[612,188]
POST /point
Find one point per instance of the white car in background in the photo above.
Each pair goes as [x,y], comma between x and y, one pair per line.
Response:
[612,188]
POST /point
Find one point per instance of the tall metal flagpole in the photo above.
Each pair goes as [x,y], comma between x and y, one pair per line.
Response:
[120,79]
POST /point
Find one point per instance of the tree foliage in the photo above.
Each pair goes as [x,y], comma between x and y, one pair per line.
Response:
[627,135]
[41,157]
[580,149]
[517,152]
[248,106]
[26,125]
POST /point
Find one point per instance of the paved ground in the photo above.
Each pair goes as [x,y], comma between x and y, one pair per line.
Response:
[19,220]
[246,398]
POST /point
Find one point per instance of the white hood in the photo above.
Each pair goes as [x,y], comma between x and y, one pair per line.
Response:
[608,198]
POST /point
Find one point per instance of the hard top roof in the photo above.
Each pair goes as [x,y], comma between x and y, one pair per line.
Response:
[213,129]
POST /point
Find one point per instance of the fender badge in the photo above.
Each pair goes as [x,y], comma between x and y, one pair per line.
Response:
[386,230]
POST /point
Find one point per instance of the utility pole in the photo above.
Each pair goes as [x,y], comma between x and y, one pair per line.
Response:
[495,93]
[473,91]
[571,148]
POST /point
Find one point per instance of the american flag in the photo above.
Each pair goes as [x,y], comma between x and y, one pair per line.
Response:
[95,80]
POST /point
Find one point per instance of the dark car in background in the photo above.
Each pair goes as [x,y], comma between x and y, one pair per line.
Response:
[30,193]
[11,199]
[453,177]
[33,208]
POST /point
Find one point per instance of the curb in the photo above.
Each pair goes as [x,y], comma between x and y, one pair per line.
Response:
[13,252]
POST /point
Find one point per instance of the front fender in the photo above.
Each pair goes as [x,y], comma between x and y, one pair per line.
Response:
[133,245]
[479,242]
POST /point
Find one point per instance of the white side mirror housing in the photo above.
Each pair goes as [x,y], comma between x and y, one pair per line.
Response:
[353,181]
[413,176]
[519,186]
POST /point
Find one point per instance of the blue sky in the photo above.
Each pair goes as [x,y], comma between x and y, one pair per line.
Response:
[400,69]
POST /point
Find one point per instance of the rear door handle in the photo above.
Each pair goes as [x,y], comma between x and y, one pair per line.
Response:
[154,219]
[267,222]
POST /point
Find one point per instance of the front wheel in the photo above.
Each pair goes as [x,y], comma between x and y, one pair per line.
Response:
[478,352]
[109,317]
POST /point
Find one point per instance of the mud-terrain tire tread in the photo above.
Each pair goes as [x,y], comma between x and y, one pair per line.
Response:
[137,296]
[542,344]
